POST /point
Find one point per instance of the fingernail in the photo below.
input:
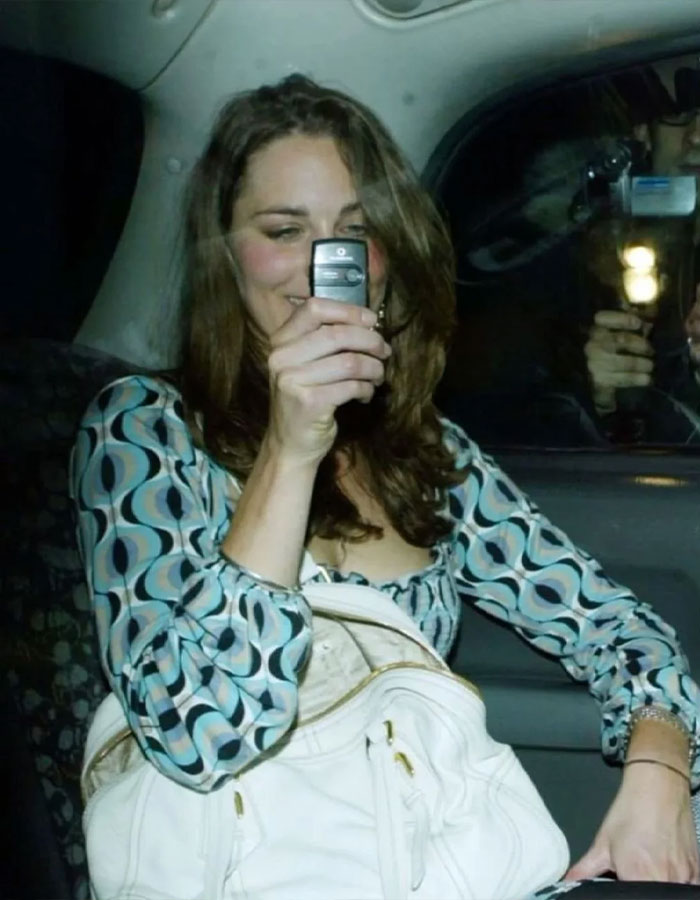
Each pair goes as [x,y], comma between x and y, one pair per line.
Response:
[387,349]
[368,317]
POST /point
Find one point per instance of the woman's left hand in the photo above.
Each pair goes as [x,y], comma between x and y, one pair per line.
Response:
[648,833]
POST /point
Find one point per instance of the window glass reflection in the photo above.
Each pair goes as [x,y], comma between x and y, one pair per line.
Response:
[575,226]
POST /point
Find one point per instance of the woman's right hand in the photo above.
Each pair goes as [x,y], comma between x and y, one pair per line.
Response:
[618,354]
[324,355]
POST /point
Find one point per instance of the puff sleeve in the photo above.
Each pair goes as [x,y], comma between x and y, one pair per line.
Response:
[511,562]
[203,655]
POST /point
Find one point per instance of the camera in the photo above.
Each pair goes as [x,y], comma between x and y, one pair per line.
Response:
[611,188]
[339,271]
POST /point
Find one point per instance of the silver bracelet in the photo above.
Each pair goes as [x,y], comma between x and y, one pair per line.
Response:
[265,582]
[659,714]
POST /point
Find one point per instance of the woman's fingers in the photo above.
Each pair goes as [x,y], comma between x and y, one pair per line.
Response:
[325,355]
[648,833]
[319,401]
[635,861]
[331,369]
[328,340]
[337,349]
[311,314]
[595,861]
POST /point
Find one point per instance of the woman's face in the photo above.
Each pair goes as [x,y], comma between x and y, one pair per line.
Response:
[295,190]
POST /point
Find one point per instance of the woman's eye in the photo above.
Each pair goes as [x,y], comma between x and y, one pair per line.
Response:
[288,233]
[355,229]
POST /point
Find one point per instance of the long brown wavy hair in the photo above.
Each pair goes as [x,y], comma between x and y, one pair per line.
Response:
[397,437]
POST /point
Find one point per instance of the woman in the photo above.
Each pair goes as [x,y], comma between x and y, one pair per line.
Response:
[198,495]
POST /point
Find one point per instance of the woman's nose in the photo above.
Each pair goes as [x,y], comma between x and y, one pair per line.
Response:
[324,231]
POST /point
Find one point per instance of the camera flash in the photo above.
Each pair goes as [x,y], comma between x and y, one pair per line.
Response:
[639,257]
[640,287]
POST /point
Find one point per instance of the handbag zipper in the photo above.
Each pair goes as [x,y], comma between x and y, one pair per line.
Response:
[368,679]
[109,745]
[124,733]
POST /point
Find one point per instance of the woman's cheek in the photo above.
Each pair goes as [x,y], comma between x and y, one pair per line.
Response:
[377,273]
[267,273]
[264,264]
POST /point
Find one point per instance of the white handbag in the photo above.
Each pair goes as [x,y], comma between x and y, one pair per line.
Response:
[387,786]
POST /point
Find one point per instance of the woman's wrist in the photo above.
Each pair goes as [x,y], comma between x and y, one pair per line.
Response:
[668,767]
[658,750]
[287,461]
[267,532]
[657,734]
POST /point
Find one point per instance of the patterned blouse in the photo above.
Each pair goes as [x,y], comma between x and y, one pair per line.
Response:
[204,655]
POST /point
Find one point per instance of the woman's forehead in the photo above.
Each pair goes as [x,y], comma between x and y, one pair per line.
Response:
[289,156]
[297,170]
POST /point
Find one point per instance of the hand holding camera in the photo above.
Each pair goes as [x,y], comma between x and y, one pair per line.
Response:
[618,355]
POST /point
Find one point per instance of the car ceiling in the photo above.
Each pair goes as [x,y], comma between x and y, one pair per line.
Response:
[420,73]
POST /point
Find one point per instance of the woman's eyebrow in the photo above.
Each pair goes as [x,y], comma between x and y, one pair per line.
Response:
[282,211]
[301,211]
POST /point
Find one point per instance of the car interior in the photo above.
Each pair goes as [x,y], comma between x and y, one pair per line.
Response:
[502,107]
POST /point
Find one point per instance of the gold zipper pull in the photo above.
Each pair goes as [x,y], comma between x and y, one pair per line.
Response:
[238,804]
[404,761]
[389,725]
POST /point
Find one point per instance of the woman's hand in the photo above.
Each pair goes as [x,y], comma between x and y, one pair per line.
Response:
[648,833]
[324,355]
[618,354]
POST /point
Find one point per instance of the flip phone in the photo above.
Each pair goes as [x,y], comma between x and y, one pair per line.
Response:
[339,271]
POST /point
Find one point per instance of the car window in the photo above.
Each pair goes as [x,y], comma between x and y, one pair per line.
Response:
[69,157]
[573,217]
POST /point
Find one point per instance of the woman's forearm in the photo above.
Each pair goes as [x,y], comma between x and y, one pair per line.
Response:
[269,526]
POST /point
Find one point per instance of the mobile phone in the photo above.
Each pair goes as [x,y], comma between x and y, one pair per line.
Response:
[339,271]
